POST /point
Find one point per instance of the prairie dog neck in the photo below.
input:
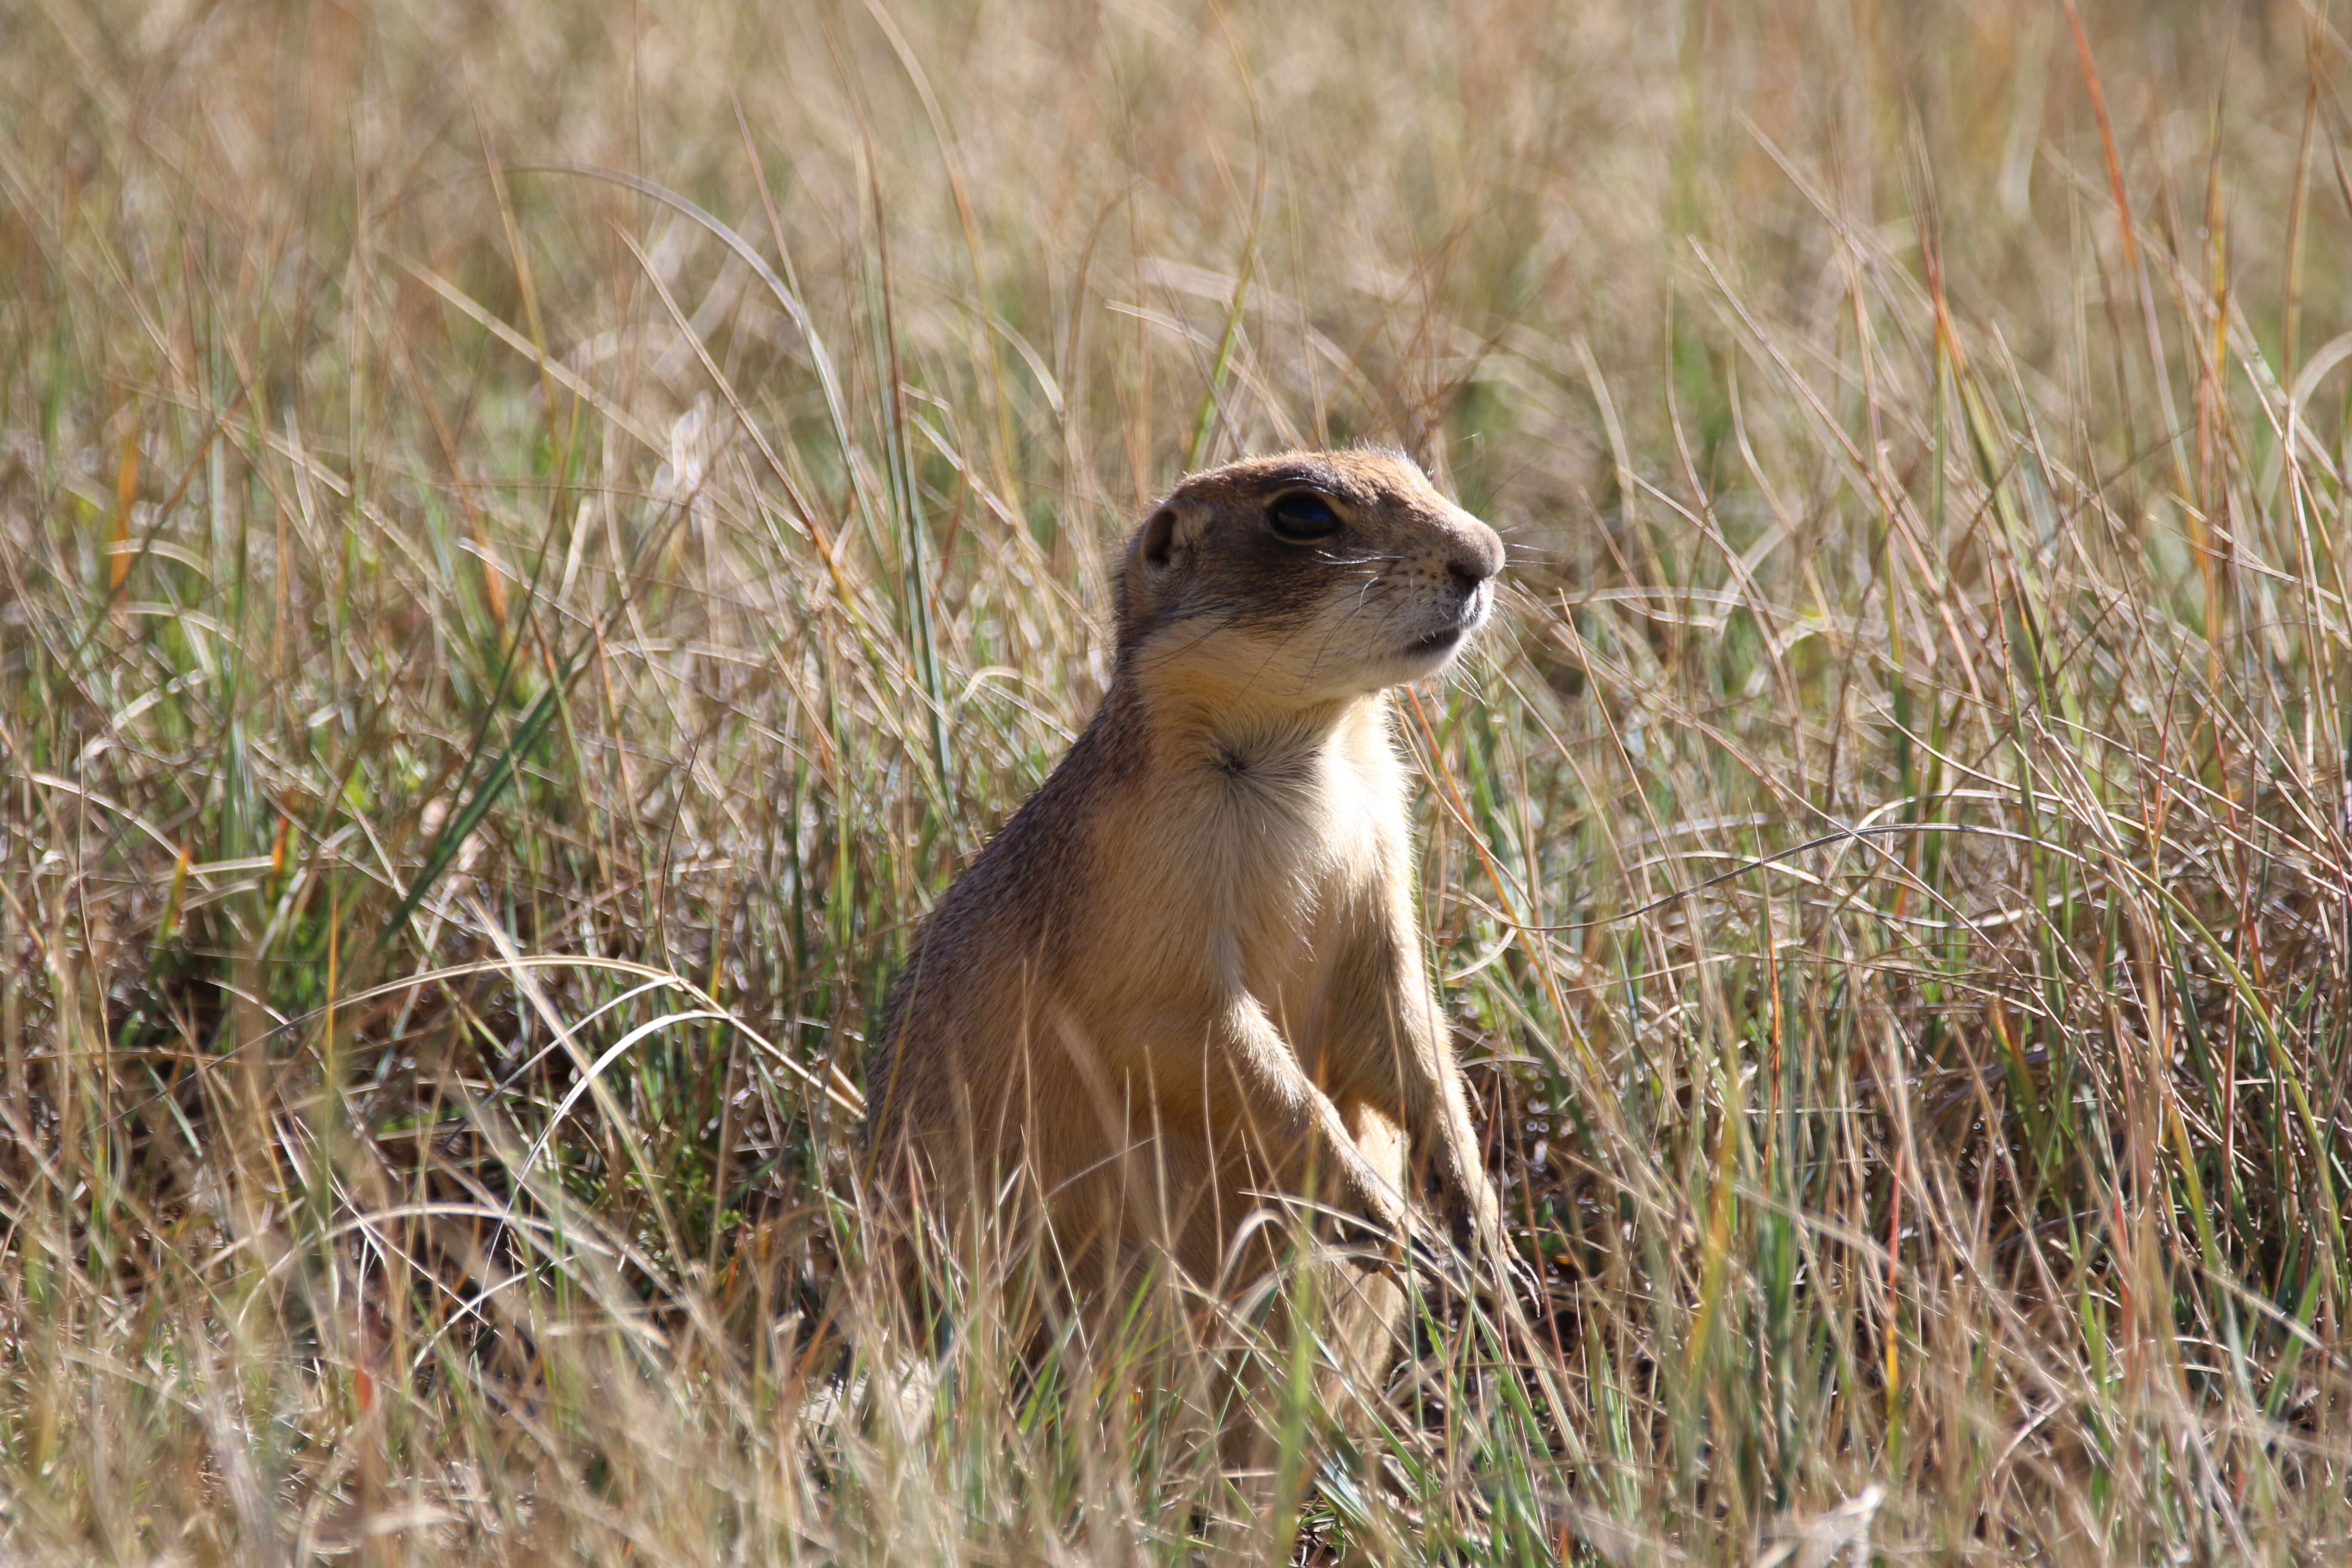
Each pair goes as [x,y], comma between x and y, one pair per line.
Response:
[1189,730]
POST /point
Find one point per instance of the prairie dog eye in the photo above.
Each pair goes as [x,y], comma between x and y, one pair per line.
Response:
[1303,518]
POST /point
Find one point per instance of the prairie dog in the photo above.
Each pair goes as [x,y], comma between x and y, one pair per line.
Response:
[1185,982]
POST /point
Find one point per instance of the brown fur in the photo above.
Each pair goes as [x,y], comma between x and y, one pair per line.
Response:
[1185,981]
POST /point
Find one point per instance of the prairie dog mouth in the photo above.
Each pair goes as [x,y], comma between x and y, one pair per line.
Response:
[1473,616]
[1436,642]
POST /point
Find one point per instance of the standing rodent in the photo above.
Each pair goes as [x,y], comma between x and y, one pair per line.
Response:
[1185,981]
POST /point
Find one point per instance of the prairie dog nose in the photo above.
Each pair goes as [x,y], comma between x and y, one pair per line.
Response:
[1477,553]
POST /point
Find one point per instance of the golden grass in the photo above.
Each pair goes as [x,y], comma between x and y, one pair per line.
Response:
[536,538]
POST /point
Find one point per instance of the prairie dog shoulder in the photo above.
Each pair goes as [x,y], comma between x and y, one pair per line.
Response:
[1187,970]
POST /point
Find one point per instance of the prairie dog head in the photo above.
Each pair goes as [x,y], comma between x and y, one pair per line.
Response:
[1303,578]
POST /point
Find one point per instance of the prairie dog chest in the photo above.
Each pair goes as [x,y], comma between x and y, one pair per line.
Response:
[1308,808]
[1287,846]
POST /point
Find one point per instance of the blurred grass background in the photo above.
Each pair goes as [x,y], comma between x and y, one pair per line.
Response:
[537,539]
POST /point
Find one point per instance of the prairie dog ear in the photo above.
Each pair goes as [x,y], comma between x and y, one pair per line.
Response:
[1155,545]
[1153,555]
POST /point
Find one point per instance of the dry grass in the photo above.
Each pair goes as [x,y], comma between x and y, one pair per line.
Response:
[536,539]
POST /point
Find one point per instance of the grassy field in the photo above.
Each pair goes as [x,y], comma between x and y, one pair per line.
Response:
[538,539]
